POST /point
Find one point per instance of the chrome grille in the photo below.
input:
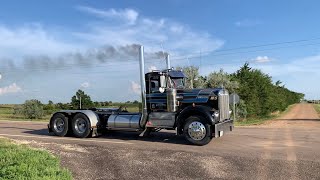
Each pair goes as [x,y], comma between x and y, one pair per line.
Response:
[223,101]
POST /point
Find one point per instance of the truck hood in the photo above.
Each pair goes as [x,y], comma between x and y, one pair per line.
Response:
[197,95]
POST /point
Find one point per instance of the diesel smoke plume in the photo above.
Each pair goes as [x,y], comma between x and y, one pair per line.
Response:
[90,57]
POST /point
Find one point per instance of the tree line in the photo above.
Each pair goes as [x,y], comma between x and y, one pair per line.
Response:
[35,109]
[259,95]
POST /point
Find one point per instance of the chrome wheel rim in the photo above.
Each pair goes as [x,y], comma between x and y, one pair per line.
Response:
[197,131]
[58,125]
[81,125]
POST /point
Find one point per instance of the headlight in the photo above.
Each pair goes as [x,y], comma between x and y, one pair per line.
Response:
[216,114]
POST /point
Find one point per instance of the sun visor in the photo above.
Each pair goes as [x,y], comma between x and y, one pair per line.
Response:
[176,74]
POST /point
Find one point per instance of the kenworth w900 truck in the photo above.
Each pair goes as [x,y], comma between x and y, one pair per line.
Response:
[198,114]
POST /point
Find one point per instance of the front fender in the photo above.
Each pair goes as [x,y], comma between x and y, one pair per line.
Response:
[199,110]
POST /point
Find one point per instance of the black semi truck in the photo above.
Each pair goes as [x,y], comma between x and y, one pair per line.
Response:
[198,114]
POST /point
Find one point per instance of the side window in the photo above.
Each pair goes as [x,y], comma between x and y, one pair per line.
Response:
[154,86]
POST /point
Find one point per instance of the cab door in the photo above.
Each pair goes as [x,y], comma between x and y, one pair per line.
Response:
[156,101]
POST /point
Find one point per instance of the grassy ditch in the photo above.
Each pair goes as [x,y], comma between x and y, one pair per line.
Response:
[260,120]
[317,108]
[22,162]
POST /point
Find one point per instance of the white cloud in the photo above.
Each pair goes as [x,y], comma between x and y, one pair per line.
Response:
[261,59]
[85,84]
[247,23]
[13,88]
[128,15]
[31,39]
[153,33]
[152,68]
[135,87]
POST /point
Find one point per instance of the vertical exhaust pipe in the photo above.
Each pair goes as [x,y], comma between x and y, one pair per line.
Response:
[144,112]
[168,61]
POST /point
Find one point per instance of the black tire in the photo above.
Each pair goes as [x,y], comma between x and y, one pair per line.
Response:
[59,124]
[81,126]
[204,136]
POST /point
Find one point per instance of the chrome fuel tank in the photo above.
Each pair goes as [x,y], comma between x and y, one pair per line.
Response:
[127,121]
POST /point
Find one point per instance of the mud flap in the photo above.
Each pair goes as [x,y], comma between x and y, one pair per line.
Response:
[223,127]
[95,132]
[146,132]
[49,129]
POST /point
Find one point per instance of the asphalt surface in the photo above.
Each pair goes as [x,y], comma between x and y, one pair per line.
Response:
[286,148]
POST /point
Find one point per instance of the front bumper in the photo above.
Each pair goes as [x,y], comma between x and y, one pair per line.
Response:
[222,127]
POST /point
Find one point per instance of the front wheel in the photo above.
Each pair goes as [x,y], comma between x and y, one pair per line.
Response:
[81,126]
[197,131]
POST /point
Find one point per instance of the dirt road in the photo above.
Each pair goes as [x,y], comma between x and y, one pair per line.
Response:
[287,148]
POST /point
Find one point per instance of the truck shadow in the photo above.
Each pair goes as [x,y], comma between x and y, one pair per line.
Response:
[162,137]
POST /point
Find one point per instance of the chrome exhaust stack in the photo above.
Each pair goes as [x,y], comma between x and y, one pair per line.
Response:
[144,112]
[168,61]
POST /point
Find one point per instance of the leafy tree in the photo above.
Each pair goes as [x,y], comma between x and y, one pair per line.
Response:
[241,110]
[84,98]
[17,109]
[32,109]
[62,106]
[221,79]
[49,106]
[194,80]
[262,96]
[50,102]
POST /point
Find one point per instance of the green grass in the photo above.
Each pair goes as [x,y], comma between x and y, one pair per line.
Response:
[6,113]
[20,162]
[254,121]
[317,108]
[260,120]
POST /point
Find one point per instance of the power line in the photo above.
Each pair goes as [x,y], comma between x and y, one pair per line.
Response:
[241,52]
[256,46]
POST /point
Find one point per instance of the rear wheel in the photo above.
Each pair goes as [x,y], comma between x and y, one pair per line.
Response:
[59,124]
[197,131]
[81,126]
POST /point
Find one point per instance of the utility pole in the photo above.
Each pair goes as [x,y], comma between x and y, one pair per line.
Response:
[80,100]
[234,107]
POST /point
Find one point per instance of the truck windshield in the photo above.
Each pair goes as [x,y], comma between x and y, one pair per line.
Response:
[177,82]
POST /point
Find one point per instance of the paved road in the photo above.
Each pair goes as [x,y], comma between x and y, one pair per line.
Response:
[287,148]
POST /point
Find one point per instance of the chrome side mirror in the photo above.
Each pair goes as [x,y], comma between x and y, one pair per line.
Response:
[163,84]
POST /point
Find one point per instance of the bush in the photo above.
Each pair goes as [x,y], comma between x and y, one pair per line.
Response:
[17,109]
[32,109]
[241,110]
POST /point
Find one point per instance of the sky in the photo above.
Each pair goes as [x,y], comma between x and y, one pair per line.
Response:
[50,49]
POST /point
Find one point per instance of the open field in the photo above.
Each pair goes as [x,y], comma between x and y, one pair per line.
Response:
[7,112]
[21,162]
[286,148]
